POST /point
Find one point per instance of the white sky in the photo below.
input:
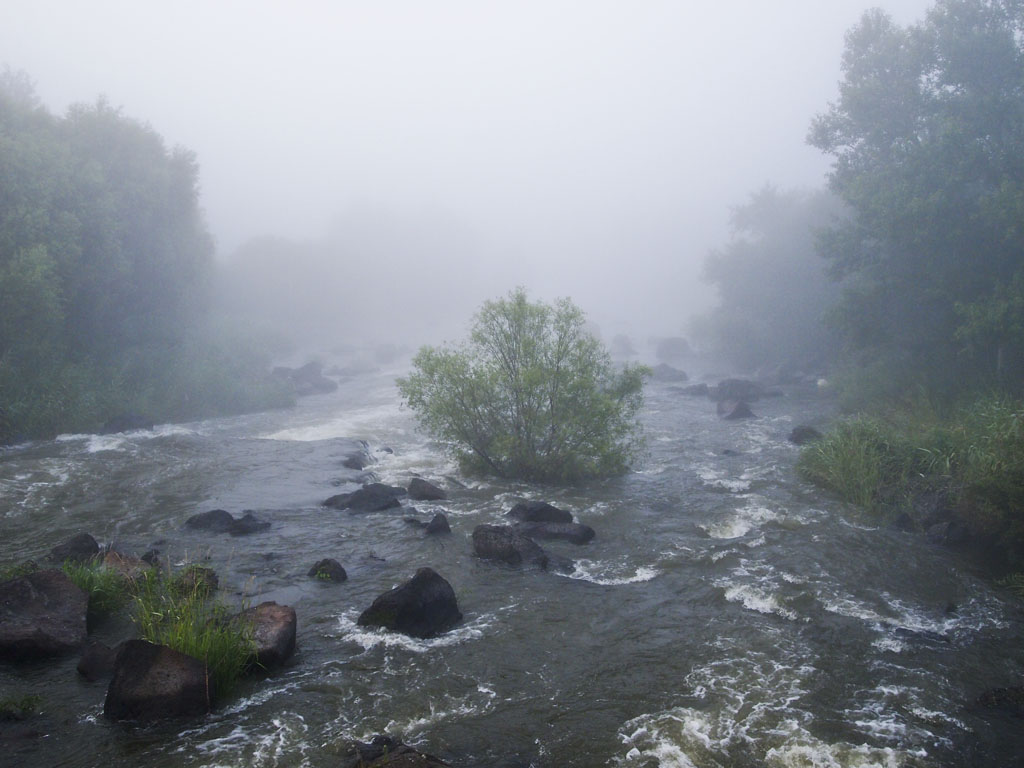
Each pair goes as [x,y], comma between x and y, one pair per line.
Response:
[593,148]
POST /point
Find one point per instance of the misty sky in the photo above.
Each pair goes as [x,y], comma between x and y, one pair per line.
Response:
[590,149]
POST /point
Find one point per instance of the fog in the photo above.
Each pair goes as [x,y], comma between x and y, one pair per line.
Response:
[415,158]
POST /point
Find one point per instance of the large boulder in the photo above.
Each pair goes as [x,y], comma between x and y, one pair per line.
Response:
[41,614]
[152,682]
[507,545]
[221,521]
[734,409]
[386,751]
[803,434]
[274,627]
[737,389]
[79,549]
[437,525]
[424,606]
[373,497]
[577,533]
[539,512]
[422,490]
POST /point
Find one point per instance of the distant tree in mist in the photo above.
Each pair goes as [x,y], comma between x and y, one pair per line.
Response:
[928,140]
[532,395]
[104,271]
[772,284]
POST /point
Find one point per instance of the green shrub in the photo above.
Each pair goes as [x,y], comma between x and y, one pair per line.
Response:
[20,707]
[179,613]
[531,396]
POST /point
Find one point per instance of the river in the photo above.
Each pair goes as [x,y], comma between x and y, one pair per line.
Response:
[726,614]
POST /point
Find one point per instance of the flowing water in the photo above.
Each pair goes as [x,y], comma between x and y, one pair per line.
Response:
[727,614]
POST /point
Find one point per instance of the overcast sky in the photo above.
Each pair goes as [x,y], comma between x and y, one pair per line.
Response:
[591,149]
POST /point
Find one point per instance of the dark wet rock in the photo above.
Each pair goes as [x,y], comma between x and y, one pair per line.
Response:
[737,389]
[437,525]
[560,563]
[951,533]
[576,533]
[356,461]
[664,372]
[415,522]
[425,606]
[730,410]
[79,549]
[421,490]
[385,449]
[328,569]
[731,452]
[97,661]
[373,497]
[1010,700]
[505,544]
[41,614]
[803,434]
[539,512]
[151,556]
[153,682]
[274,627]
[386,751]
[695,390]
[307,379]
[903,522]
[221,521]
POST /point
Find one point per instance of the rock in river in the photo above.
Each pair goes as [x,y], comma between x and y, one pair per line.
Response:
[41,614]
[505,544]
[425,606]
[539,512]
[421,490]
[152,682]
[577,533]
[373,497]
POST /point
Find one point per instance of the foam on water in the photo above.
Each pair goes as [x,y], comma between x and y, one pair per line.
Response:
[367,423]
[753,514]
[611,574]
[371,637]
[756,599]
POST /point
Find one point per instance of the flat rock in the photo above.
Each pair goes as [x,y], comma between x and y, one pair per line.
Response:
[153,682]
[576,533]
[386,751]
[504,544]
[41,614]
[539,512]
[425,606]
[422,490]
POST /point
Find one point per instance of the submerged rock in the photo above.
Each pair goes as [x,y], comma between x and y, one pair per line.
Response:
[539,512]
[421,490]
[373,497]
[41,614]
[665,372]
[437,525]
[1009,700]
[425,606]
[79,549]
[507,545]
[221,521]
[576,533]
[328,569]
[386,751]
[152,682]
[737,389]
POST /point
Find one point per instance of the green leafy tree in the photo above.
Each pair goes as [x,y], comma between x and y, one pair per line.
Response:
[530,396]
[928,141]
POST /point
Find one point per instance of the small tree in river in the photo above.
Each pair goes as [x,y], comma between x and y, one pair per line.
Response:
[530,396]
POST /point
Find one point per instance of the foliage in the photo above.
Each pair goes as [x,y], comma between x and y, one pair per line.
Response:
[974,453]
[105,268]
[108,590]
[772,284]
[9,572]
[531,396]
[928,141]
[178,612]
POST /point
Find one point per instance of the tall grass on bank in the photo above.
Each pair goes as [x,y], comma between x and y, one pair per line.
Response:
[974,454]
[180,613]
